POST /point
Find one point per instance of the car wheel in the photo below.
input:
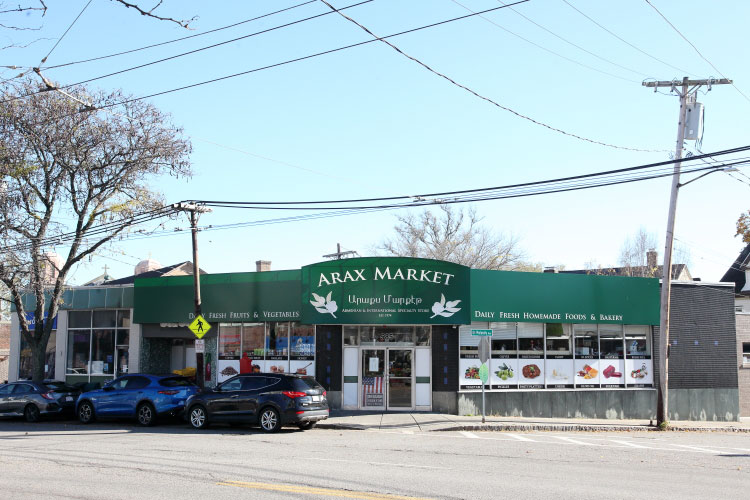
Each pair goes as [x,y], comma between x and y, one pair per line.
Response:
[86,413]
[198,417]
[269,420]
[145,414]
[31,413]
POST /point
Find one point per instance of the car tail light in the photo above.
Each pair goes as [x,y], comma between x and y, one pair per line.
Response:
[324,393]
[294,394]
[168,393]
[300,412]
[48,395]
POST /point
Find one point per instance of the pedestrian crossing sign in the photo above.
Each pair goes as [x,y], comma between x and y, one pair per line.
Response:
[199,326]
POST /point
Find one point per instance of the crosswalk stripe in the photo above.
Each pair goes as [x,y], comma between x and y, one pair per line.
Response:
[574,441]
[697,448]
[469,434]
[519,438]
[628,443]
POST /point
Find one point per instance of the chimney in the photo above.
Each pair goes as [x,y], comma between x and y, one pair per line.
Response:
[550,269]
[262,265]
[651,259]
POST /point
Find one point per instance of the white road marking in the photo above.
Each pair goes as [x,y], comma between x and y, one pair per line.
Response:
[574,441]
[468,434]
[407,432]
[394,464]
[697,448]
[628,443]
[518,437]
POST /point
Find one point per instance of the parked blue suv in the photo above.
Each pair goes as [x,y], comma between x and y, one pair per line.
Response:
[144,397]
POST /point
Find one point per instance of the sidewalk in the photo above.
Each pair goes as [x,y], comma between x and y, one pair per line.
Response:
[430,422]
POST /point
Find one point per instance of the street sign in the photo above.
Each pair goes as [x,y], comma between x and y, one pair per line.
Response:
[200,346]
[482,333]
[199,326]
[484,349]
[484,373]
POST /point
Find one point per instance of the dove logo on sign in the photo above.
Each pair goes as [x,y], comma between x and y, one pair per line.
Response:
[445,309]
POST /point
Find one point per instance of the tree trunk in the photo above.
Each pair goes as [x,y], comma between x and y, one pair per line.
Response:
[38,360]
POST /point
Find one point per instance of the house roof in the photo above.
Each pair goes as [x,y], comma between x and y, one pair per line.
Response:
[736,272]
[677,271]
[181,269]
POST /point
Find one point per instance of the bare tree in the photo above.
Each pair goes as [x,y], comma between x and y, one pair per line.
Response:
[454,235]
[633,254]
[57,162]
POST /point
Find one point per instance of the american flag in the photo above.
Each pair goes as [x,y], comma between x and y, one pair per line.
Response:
[371,385]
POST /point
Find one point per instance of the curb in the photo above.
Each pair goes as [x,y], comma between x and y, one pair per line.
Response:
[550,428]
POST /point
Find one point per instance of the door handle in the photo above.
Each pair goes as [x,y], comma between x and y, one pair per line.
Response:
[235,396]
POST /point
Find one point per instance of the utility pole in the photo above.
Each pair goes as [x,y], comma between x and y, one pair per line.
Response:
[339,254]
[686,90]
[195,212]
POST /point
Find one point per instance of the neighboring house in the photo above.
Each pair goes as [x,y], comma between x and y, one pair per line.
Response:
[680,272]
[738,274]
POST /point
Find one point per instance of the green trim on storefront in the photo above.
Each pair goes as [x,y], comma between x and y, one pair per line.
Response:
[422,380]
[349,379]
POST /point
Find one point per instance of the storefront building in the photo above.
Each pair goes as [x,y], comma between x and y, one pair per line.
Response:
[386,333]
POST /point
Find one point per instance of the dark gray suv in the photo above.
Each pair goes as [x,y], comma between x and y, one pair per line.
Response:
[266,399]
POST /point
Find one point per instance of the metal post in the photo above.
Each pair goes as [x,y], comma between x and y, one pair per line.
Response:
[483,413]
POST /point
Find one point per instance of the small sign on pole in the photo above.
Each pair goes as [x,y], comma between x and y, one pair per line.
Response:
[200,346]
[199,326]
[481,333]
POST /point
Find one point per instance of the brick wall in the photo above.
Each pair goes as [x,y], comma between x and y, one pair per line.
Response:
[743,335]
[4,336]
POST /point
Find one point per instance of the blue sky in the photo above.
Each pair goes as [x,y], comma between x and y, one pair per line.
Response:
[368,122]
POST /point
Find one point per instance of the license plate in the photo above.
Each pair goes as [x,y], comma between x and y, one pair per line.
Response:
[68,398]
[316,399]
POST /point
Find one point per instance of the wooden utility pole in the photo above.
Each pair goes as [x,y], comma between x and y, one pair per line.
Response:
[195,211]
[686,90]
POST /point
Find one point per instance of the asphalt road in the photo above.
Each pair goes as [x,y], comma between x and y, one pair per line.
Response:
[118,460]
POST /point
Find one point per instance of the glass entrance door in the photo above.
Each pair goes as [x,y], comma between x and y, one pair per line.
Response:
[373,379]
[400,381]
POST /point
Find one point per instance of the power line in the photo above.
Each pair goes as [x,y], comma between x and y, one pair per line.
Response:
[696,49]
[545,48]
[190,52]
[476,94]
[560,37]
[625,41]
[99,58]
[66,31]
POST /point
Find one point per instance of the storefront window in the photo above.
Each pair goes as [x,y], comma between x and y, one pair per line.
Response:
[586,341]
[79,346]
[253,339]
[610,341]
[277,348]
[422,335]
[558,339]
[103,351]
[503,338]
[351,335]
[98,342]
[531,339]
[229,341]
[637,341]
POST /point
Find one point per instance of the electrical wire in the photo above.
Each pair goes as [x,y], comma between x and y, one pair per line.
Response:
[66,31]
[696,49]
[545,48]
[560,37]
[99,58]
[476,94]
[625,41]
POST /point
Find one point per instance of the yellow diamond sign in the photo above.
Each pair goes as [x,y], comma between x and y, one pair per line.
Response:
[199,326]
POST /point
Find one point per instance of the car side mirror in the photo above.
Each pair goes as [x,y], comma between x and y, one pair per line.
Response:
[108,388]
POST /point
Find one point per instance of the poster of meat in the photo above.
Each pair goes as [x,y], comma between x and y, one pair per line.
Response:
[613,372]
[531,373]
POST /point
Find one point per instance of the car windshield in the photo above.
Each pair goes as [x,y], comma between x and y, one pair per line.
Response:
[306,383]
[175,382]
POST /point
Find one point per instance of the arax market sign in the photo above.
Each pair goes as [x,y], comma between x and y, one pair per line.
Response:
[385,290]
[399,290]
